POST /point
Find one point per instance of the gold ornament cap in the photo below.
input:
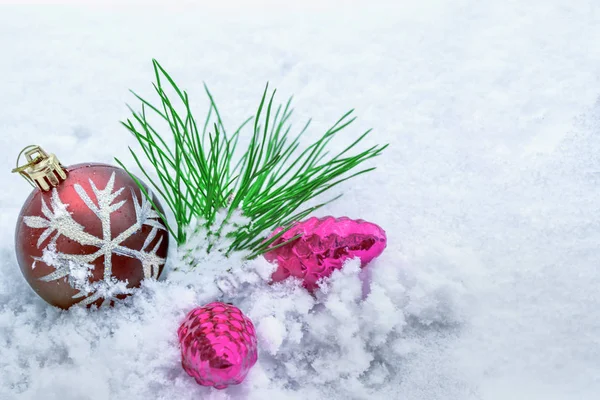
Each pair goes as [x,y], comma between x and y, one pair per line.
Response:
[42,170]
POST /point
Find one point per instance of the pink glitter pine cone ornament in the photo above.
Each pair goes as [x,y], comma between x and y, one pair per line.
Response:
[218,345]
[326,243]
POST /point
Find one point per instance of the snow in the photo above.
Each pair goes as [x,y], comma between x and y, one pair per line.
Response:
[488,193]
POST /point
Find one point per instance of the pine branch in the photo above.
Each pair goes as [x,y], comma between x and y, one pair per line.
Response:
[270,181]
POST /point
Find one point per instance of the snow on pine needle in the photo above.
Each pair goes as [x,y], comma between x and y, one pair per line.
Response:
[270,182]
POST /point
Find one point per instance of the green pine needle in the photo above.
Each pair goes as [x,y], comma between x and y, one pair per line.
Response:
[270,181]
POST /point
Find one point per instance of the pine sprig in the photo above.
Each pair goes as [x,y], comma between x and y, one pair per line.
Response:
[198,175]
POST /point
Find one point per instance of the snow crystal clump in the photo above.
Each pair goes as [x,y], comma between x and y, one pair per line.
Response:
[340,337]
[352,339]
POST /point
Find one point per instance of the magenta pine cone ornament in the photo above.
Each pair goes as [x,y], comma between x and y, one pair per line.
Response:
[218,345]
[324,245]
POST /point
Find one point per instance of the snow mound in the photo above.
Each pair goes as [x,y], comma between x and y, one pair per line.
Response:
[351,338]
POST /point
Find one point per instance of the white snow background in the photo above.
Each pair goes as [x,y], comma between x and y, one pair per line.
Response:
[490,285]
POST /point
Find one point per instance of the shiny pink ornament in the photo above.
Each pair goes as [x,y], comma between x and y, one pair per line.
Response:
[323,247]
[218,345]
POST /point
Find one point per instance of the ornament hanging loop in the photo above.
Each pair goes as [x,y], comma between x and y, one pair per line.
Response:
[42,170]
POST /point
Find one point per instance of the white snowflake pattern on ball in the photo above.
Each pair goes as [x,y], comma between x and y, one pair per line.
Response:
[58,221]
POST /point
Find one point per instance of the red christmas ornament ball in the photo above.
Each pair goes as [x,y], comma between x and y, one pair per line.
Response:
[91,239]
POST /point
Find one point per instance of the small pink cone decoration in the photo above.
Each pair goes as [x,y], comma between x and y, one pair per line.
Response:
[323,247]
[218,345]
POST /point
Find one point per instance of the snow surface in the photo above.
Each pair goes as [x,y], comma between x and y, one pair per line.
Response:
[489,287]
